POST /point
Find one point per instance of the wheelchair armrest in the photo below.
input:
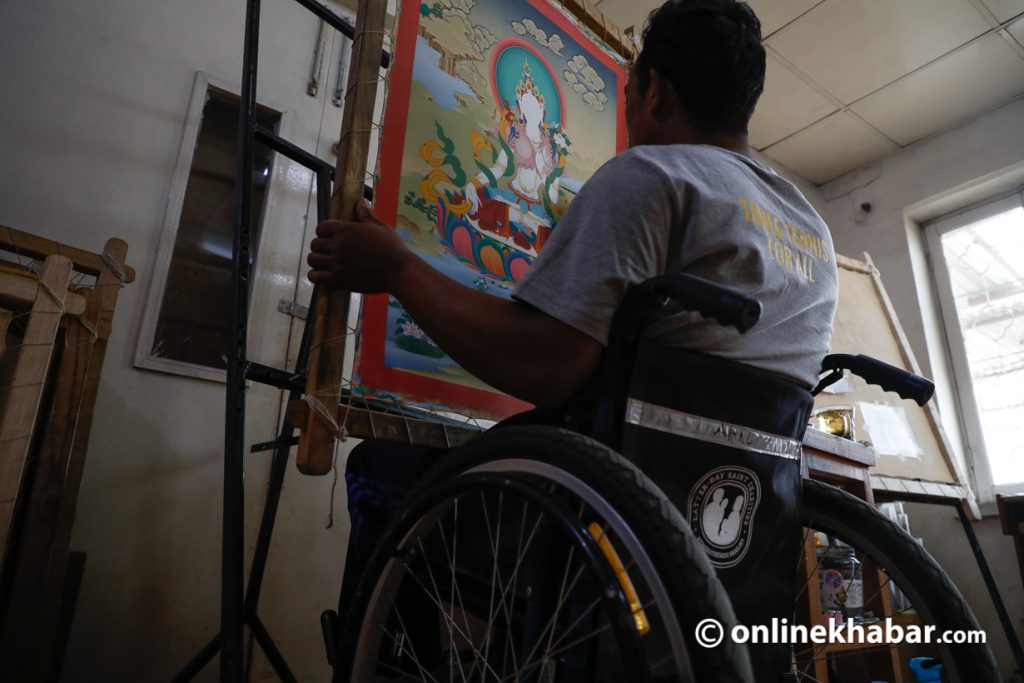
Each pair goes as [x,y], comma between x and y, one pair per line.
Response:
[872,371]
[640,307]
[694,293]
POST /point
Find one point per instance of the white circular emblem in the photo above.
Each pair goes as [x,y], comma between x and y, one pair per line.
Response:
[721,509]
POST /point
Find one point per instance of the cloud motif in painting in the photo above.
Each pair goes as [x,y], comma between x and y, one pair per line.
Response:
[586,82]
[529,26]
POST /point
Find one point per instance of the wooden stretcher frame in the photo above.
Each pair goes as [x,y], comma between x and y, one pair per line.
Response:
[46,507]
[321,422]
[373,370]
[21,407]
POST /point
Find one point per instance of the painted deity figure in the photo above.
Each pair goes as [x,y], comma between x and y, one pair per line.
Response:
[497,220]
[520,213]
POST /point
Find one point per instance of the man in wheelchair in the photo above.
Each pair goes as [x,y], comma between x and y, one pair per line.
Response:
[685,198]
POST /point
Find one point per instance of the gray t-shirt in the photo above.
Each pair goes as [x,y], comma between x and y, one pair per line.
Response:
[704,210]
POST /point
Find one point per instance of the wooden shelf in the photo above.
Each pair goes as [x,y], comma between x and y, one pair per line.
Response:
[845,464]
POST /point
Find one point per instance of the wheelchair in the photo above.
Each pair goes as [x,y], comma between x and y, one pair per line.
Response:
[560,546]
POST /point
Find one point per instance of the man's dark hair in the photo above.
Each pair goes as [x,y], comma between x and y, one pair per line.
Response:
[711,53]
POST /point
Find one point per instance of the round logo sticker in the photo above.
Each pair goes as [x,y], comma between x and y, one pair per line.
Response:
[721,508]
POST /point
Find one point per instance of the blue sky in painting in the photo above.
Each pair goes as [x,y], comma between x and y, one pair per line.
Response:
[442,86]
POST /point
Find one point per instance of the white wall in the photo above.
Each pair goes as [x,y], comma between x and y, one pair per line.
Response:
[94,97]
[978,159]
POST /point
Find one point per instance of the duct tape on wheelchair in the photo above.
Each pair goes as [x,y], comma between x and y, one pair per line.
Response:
[677,422]
[721,511]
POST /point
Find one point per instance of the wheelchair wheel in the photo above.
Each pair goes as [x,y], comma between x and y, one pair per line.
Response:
[537,554]
[899,578]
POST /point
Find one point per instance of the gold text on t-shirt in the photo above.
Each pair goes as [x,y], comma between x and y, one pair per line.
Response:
[790,246]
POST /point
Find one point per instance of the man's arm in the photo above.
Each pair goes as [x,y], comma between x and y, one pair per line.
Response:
[509,345]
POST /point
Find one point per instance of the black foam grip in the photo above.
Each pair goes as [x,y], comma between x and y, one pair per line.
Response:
[889,377]
[708,298]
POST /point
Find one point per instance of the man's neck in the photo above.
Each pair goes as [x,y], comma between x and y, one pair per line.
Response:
[732,142]
[681,133]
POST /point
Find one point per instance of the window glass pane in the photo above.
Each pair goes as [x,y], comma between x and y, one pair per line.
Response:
[194,317]
[987,278]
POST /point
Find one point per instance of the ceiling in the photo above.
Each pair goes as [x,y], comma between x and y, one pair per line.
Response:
[850,82]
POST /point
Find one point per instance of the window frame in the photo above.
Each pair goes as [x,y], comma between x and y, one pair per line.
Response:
[144,358]
[968,415]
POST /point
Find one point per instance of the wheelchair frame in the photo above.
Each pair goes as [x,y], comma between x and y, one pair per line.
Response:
[641,305]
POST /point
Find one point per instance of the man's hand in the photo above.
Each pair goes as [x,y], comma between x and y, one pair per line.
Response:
[509,345]
[365,255]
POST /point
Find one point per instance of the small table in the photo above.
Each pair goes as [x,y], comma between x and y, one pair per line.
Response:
[840,462]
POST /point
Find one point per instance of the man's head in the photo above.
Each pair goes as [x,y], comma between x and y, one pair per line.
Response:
[702,61]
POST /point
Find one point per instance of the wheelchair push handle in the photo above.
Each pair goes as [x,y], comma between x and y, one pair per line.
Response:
[889,377]
[709,299]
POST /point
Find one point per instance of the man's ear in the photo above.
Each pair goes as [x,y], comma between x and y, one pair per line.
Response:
[654,96]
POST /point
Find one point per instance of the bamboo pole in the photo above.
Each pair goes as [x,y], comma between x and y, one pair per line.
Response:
[327,350]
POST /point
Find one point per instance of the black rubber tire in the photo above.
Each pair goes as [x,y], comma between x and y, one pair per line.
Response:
[905,561]
[694,590]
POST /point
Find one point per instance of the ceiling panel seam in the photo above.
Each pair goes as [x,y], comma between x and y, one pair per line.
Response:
[841,107]
[985,12]
[967,119]
[795,19]
[1001,27]
[1011,41]
[833,100]
[1002,33]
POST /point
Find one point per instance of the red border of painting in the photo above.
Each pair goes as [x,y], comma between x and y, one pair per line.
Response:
[370,364]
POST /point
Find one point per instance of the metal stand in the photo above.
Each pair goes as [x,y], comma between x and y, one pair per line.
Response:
[238,609]
[993,590]
[979,557]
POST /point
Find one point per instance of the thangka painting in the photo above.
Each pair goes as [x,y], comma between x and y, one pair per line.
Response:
[497,112]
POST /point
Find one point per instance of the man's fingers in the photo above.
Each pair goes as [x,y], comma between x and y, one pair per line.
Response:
[329,229]
[319,277]
[322,245]
[364,214]
[320,261]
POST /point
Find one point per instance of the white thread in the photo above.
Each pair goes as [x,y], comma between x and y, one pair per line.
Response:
[373,428]
[114,266]
[344,418]
[334,484]
[90,328]
[17,250]
[408,427]
[53,295]
[321,410]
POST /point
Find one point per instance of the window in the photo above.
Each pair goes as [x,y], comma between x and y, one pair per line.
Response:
[979,277]
[188,332]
